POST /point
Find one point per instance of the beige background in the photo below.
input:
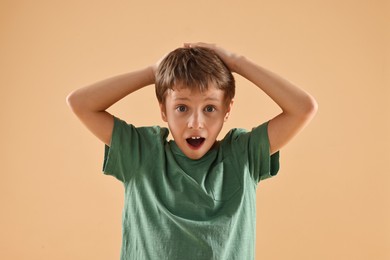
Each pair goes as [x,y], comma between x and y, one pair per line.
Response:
[331,198]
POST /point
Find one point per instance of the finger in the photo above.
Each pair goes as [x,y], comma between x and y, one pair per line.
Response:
[198,44]
[187,45]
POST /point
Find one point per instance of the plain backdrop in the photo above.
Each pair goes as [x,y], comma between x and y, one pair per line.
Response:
[331,197]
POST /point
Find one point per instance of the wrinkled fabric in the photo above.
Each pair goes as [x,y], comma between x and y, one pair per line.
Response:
[178,208]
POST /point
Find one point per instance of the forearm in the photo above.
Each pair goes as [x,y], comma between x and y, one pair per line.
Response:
[290,98]
[103,94]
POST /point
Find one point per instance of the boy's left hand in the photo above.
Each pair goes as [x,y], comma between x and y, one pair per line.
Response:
[229,58]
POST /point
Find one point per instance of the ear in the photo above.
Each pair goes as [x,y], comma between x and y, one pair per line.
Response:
[163,112]
[229,108]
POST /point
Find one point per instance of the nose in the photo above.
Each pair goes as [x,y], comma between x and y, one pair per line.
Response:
[195,121]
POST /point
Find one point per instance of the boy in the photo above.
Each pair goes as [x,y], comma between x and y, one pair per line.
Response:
[192,197]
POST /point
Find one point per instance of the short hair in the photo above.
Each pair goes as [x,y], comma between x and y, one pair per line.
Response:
[195,68]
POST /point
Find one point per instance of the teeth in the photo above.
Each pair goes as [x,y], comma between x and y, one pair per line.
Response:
[195,137]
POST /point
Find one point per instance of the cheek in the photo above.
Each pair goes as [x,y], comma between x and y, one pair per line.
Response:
[215,123]
[176,123]
[217,118]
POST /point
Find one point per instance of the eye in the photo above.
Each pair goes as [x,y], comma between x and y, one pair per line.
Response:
[181,108]
[209,109]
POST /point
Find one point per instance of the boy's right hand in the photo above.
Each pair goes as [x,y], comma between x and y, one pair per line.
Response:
[229,58]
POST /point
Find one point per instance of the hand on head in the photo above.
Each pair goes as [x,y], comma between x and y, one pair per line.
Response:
[229,58]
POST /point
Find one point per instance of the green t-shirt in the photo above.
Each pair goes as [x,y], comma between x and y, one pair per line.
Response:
[178,208]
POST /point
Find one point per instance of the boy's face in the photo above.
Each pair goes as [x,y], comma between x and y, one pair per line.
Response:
[195,118]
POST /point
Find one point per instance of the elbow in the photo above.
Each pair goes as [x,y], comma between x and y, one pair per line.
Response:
[69,100]
[306,108]
[310,107]
[73,102]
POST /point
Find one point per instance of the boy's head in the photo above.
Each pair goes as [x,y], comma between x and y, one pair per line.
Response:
[195,69]
[195,90]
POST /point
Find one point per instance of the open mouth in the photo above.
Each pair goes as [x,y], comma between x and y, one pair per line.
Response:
[195,142]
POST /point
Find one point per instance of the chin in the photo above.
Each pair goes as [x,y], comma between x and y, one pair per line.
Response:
[195,157]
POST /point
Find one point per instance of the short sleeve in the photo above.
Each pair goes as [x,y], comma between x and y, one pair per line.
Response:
[252,149]
[129,148]
[262,163]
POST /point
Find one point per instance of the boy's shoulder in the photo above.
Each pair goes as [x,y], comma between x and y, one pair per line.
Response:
[241,137]
[237,134]
[152,132]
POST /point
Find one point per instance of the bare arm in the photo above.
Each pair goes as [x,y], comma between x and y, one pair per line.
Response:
[90,103]
[298,107]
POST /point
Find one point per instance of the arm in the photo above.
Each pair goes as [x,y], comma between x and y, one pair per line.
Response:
[298,107]
[90,103]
